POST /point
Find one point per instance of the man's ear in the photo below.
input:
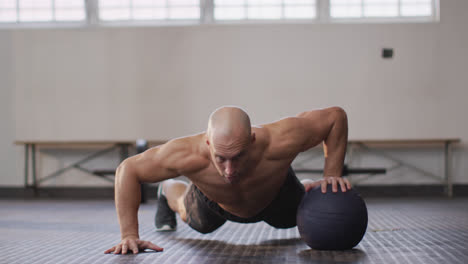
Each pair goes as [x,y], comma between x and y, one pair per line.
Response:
[207,138]
[253,137]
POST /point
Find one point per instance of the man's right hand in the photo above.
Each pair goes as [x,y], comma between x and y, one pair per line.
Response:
[132,244]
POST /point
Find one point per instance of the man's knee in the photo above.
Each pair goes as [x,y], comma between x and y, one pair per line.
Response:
[174,188]
[181,209]
[306,181]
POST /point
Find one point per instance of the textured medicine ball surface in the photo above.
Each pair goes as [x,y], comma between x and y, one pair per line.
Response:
[332,221]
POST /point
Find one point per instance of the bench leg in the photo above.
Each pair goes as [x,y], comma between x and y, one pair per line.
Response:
[35,185]
[26,165]
[448,170]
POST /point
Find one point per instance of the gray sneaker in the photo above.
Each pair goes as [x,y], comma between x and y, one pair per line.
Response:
[165,218]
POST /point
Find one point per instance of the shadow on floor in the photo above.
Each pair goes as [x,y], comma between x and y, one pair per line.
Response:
[328,256]
[269,251]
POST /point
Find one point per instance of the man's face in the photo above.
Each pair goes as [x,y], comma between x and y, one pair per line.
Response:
[230,156]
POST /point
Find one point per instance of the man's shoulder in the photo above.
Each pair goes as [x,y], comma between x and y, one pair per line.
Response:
[187,152]
[186,143]
[284,138]
[282,126]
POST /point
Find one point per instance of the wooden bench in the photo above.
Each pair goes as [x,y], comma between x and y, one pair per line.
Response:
[32,149]
[377,148]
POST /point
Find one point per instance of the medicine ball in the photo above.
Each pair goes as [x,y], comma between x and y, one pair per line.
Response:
[332,221]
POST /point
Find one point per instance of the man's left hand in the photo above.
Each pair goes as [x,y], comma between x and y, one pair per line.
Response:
[333,180]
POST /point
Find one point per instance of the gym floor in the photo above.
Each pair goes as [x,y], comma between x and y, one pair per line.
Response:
[412,230]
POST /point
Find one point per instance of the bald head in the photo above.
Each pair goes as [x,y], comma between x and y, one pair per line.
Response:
[229,138]
[228,122]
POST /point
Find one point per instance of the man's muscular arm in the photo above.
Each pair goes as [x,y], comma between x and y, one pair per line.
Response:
[334,145]
[308,129]
[332,124]
[154,165]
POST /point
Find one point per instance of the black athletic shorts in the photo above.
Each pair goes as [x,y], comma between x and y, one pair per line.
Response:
[205,216]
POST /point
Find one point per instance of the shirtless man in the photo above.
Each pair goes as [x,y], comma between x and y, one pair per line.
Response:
[237,172]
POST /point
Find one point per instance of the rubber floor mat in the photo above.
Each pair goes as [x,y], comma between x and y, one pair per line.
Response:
[400,231]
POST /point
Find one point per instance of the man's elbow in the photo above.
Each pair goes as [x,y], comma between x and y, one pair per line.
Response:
[125,169]
[339,114]
[122,166]
[339,121]
[337,110]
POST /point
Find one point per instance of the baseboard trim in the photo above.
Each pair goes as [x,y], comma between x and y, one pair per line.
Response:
[88,193]
[459,190]
[81,193]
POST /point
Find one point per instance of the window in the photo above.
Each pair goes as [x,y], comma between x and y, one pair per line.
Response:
[381,8]
[96,12]
[42,10]
[112,10]
[264,9]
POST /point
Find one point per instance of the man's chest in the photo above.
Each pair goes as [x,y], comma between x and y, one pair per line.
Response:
[254,190]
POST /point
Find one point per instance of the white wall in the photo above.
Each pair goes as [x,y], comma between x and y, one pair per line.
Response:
[8,152]
[137,76]
[162,82]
